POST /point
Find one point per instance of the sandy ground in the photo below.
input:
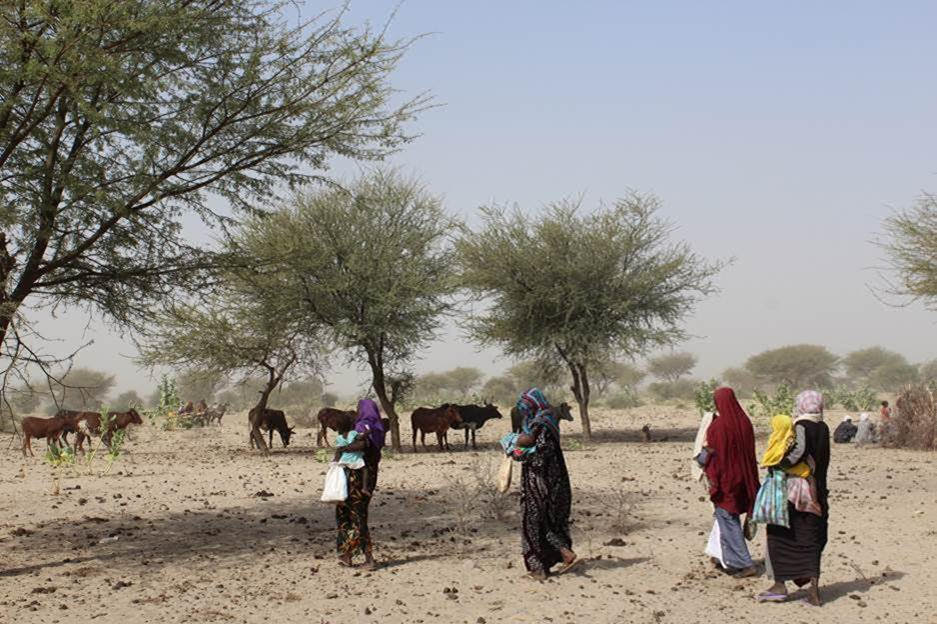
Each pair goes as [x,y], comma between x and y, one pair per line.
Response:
[198,538]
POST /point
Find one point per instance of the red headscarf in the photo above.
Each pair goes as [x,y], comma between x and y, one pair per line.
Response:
[732,470]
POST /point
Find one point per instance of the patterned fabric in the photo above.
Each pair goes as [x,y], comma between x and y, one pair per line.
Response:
[354,537]
[808,403]
[546,501]
[771,502]
[802,494]
[535,408]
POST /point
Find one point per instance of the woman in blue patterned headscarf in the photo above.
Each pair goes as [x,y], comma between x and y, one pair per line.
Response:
[546,496]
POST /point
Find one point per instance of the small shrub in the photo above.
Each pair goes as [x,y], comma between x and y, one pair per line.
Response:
[704,396]
[767,405]
[667,390]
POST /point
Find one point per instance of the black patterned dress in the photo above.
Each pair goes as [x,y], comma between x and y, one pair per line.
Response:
[546,499]
[354,536]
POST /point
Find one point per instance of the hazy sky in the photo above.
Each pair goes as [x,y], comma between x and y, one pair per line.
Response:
[778,135]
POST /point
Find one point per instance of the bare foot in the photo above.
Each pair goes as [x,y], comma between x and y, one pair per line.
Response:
[813,593]
[536,576]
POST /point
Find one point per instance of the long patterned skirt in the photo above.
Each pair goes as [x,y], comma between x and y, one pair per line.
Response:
[351,517]
[546,499]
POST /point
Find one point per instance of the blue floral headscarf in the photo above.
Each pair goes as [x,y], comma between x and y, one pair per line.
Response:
[536,409]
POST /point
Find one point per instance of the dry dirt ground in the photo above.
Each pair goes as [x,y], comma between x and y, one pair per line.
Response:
[208,531]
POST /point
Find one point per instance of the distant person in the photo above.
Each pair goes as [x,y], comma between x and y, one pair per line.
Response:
[546,495]
[845,431]
[728,459]
[885,412]
[865,432]
[351,517]
[794,552]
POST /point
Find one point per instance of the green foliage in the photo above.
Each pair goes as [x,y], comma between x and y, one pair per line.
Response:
[671,366]
[450,386]
[911,247]
[198,385]
[859,400]
[368,263]
[797,366]
[576,288]
[500,390]
[705,401]
[766,406]
[126,400]
[120,119]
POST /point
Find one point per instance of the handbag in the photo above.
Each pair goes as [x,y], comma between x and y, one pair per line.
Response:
[336,485]
[771,501]
[504,474]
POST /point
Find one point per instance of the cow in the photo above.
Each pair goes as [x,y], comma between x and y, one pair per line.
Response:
[117,421]
[331,418]
[434,420]
[217,413]
[188,408]
[474,417]
[73,420]
[48,428]
[517,420]
[268,420]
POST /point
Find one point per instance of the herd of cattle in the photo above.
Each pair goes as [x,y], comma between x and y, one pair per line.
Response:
[423,420]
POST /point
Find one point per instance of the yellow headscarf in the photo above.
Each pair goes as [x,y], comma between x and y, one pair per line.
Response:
[782,434]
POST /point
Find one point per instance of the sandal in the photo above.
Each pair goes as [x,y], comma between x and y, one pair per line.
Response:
[770,597]
[566,567]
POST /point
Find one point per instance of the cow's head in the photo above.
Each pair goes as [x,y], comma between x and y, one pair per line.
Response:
[563,412]
[285,435]
[134,417]
[453,416]
[491,411]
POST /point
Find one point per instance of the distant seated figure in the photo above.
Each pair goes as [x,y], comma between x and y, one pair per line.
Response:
[866,433]
[845,431]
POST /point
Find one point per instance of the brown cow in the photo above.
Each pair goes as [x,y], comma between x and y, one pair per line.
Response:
[48,428]
[73,420]
[118,421]
[331,418]
[434,420]
[267,421]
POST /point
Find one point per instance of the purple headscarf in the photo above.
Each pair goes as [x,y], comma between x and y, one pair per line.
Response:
[369,422]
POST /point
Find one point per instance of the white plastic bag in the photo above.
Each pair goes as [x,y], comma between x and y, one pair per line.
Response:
[714,546]
[504,474]
[336,485]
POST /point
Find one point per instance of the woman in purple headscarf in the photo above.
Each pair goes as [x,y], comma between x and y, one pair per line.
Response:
[354,537]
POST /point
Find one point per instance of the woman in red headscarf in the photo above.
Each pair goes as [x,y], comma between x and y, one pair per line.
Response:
[732,470]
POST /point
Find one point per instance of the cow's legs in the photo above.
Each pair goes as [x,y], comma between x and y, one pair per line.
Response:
[270,442]
[423,438]
[474,448]
[27,445]
[414,439]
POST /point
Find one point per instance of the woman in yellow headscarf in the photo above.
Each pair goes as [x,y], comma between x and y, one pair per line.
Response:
[780,442]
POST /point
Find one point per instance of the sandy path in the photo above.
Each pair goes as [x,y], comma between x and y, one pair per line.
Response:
[195,542]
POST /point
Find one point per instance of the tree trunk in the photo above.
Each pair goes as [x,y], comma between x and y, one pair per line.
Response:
[380,389]
[582,392]
[256,413]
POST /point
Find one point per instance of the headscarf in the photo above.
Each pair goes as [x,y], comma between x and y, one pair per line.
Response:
[782,434]
[808,406]
[695,471]
[732,471]
[369,422]
[535,409]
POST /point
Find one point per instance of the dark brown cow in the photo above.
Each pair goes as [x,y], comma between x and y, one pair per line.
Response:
[269,421]
[48,428]
[434,420]
[563,411]
[334,419]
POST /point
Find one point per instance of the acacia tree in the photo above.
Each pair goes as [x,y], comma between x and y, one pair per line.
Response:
[121,118]
[670,367]
[372,266]
[247,325]
[577,288]
[911,249]
[797,366]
